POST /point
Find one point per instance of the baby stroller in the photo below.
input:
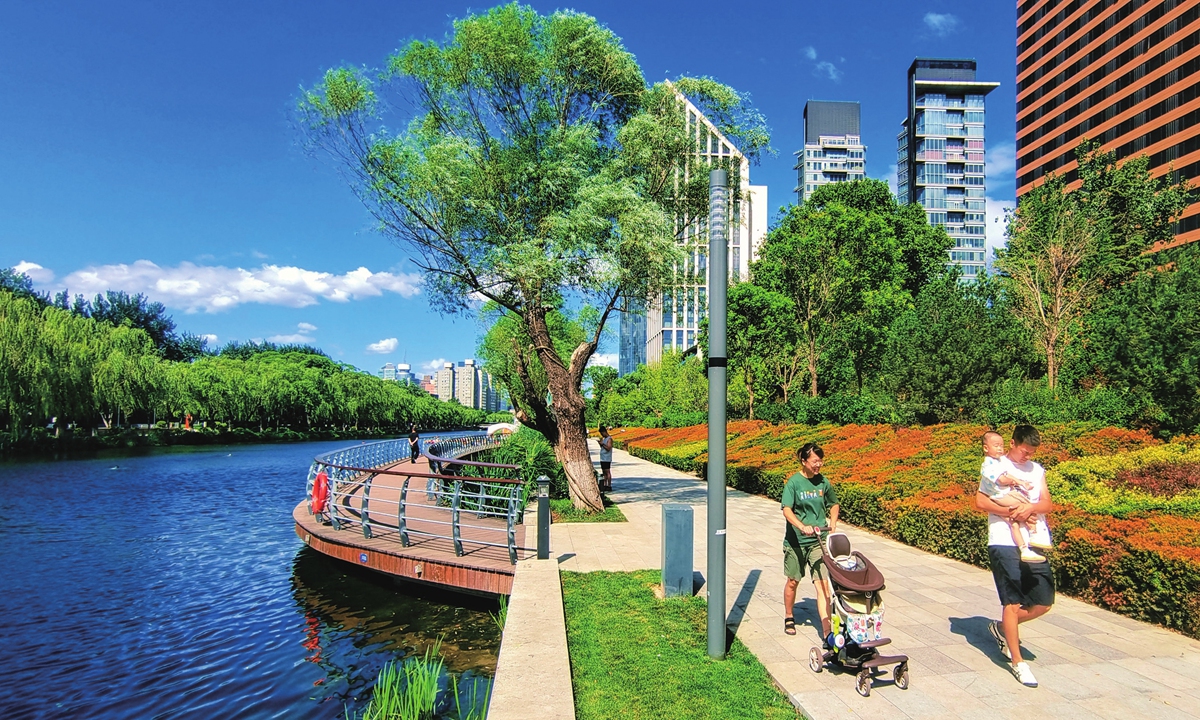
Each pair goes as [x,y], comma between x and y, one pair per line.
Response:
[856,616]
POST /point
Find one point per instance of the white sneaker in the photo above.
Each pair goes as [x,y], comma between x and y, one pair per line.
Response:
[1022,672]
[1030,556]
[1040,537]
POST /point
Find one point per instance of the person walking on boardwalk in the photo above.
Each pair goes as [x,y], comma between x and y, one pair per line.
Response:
[1026,590]
[809,502]
[414,444]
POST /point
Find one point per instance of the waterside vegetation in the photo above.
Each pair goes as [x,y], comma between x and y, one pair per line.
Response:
[65,377]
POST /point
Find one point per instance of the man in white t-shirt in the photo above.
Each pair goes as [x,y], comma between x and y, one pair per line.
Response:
[1026,590]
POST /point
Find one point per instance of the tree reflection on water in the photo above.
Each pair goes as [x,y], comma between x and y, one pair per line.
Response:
[355,620]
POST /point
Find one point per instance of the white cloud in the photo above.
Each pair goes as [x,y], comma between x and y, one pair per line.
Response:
[214,288]
[259,255]
[306,327]
[810,52]
[383,347]
[1002,161]
[210,339]
[997,224]
[434,365]
[893,178]
[293,339]
[611,360]
[942,24]
[36,272]
[828,70]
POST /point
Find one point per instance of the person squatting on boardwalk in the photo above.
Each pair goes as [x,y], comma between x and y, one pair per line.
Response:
[809,502]
[1026,590]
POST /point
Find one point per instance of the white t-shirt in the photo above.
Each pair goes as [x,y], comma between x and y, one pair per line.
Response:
[606,449]
[999,530]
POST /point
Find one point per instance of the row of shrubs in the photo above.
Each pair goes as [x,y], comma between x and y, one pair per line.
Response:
[1124,548]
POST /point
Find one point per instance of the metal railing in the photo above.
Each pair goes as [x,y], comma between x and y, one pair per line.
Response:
[368,489]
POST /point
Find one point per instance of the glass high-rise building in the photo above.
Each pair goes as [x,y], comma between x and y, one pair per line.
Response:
[833,149]
[940,154]
[1122,74]
[672,320]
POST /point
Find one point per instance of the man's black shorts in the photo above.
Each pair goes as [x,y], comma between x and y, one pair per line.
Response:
[1019,583]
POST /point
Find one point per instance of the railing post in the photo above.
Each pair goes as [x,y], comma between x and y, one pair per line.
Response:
[334,477]
[366,499]
[455,505]
[401,522]
[543,541]
[512,522]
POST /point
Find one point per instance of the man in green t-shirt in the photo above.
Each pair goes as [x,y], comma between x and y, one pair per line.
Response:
[809,502]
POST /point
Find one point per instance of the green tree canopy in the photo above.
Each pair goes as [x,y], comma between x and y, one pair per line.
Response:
[538,172]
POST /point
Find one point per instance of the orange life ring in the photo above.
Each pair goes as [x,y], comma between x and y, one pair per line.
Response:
[320,493]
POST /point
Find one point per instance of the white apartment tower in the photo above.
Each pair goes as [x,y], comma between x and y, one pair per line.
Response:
[673,319]
[940,154]
[444,381]
[833,150]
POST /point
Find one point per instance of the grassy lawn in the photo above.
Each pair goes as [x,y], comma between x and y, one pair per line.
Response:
[562,511]
[635,656]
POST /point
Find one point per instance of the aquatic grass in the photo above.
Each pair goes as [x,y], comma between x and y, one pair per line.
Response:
[474,711]
[408,692]
[501,616]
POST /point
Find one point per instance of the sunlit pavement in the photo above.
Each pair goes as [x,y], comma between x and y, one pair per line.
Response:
[1090,663]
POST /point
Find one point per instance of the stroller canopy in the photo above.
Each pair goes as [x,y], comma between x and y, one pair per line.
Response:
[850,569]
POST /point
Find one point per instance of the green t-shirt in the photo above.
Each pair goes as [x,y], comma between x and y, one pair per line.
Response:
[811,501]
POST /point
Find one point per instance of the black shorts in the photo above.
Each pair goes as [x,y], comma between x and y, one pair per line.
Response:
[1020,583]
[606,464]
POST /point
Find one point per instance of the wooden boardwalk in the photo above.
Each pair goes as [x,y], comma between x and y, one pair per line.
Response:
[483,569]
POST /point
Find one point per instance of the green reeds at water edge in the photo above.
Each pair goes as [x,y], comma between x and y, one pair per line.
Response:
[410,692]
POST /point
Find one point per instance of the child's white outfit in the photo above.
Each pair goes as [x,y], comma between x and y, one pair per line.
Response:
[989,472]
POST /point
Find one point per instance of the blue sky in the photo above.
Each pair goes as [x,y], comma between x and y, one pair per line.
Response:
[147,146]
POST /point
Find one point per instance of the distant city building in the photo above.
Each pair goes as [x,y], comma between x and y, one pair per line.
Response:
[632,350]
[388,371]
[833,150]
[428,385]
[1123,74]
[940,154]
[404,374]
[466,384]
[444,380]
[672,320]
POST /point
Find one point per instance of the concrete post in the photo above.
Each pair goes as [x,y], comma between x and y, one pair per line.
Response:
[718,281]
[677,549]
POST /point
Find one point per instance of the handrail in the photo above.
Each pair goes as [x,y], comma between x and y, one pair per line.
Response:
[358,493]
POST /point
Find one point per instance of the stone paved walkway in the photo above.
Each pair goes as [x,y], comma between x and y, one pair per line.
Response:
[1091,663]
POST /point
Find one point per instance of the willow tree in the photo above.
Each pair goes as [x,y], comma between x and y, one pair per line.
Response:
[536,171]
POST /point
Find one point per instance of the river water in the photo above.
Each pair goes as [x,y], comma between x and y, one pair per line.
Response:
[171,584]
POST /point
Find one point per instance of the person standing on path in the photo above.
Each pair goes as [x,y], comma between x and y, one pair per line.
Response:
[1026,590]
[414,444]
[606,446]
[809,502]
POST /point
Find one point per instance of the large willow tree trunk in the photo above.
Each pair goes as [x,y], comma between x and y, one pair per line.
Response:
[566,400]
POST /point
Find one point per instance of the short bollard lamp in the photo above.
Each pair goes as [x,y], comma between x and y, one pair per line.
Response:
[543,541]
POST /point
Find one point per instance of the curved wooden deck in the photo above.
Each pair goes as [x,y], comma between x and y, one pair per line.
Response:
[482,569]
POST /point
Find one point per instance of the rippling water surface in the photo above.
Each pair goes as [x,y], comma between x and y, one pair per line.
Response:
[172,585]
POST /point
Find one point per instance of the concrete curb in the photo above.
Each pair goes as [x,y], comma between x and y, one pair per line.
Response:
[533,671]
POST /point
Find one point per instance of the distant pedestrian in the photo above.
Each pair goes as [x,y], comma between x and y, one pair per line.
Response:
[1026,590]
[606,448]
[414,444]
[809,502]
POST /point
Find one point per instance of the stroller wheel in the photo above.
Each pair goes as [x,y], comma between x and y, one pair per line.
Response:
[816,659]
[900,676]
[863,686]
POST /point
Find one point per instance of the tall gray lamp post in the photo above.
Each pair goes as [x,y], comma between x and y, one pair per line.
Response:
[718,281]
